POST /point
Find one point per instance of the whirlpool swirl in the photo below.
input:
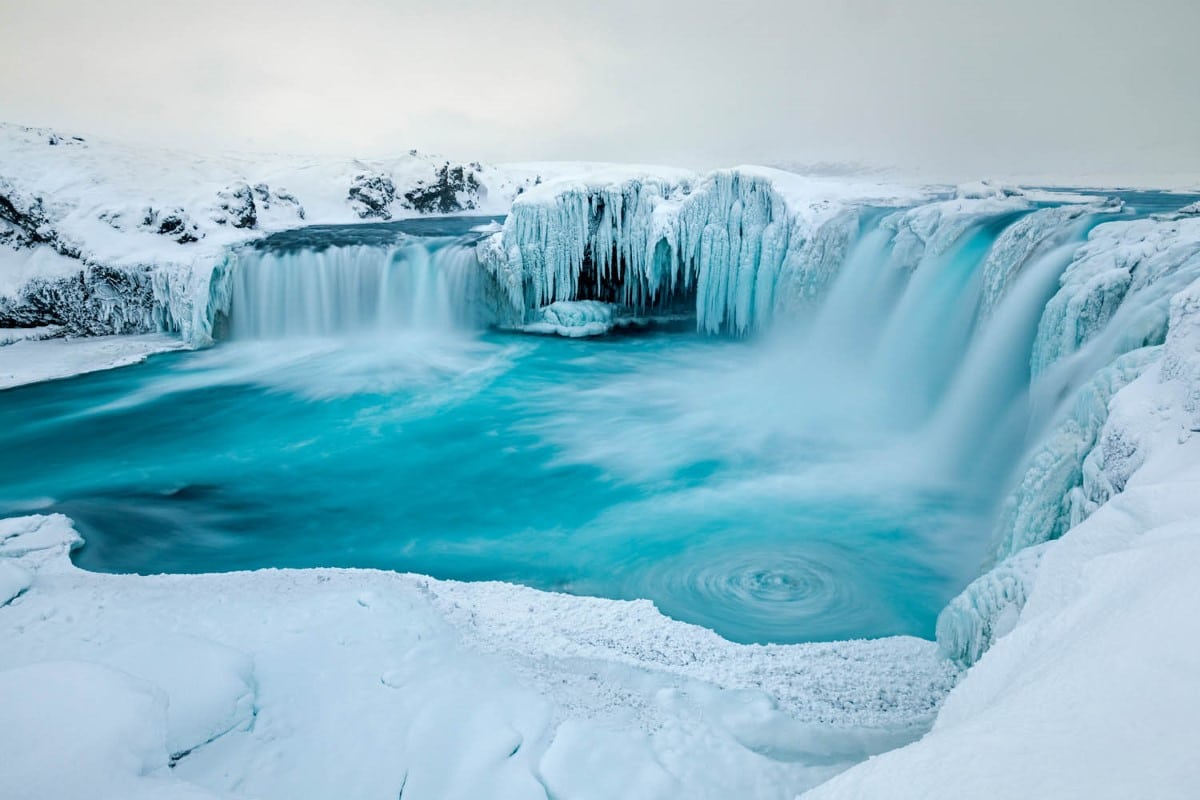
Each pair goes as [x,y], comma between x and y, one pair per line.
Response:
[767,594]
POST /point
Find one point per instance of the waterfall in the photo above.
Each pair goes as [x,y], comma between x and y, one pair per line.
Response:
[416,284]
[976,419]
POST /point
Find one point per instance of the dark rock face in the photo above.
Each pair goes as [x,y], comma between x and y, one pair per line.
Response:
[454,188]
[27,223]
[28,219]
[237,206]
[372,195]
[95,301]
[53,139]
[176,224]
[267,199]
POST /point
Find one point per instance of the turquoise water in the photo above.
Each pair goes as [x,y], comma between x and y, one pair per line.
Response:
[617,467]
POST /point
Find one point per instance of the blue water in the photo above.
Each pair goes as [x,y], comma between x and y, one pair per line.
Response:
[830,481]
[590,467]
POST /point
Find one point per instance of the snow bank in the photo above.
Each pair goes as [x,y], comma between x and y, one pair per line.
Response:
[14,579]
[107,740]
[33,361]
[356,683]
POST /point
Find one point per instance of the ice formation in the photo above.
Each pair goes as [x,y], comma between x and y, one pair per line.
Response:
[1117,291]
[731,245]
[1106,321]
[1029,237]
[573,318]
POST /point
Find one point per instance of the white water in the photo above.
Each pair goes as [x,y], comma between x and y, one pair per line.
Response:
[986,408]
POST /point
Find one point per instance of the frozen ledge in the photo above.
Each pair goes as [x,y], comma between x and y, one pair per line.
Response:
[28,361]
[338,683]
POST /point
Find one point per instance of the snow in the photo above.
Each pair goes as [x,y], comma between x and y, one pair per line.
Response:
[356,683]
[573,319]
[14,579]
[13,335]
[107,740]
[1147,259]
[33,361]
[20,266]
[210,687]
[1092,694]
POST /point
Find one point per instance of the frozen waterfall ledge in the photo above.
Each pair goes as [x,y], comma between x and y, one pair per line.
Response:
[358,683]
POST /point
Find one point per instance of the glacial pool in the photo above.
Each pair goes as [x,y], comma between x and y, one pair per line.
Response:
[662,465]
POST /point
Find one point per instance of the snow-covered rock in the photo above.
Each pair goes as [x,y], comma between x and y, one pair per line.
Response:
[573,319]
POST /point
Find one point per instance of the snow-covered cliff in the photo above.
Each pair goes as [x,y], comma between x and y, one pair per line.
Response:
[99,238]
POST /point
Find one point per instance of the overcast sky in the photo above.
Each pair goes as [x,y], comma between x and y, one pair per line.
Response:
[960,88]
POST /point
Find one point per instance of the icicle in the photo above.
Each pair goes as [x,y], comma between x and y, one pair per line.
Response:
[648,240]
